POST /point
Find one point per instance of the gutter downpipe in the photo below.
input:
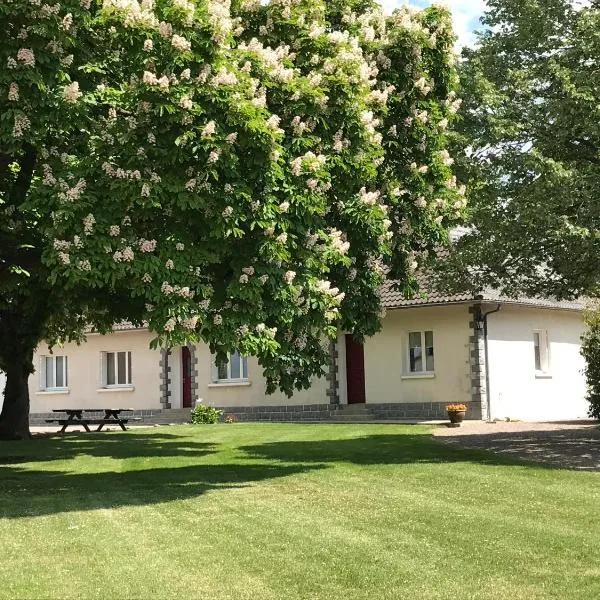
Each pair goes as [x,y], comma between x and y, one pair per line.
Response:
[484,319]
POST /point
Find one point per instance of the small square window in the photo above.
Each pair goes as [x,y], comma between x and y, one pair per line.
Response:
[541,352]
[53,373]
[116,369]
[235,369]
[421,352]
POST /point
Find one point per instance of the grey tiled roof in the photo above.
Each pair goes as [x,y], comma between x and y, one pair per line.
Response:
[122,326]
[126,326]
[393,298]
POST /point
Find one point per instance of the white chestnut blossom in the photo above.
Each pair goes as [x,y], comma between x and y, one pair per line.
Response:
[186,103]
[13,92]
[180,43]
[209,129]
[26,56]
[71,92]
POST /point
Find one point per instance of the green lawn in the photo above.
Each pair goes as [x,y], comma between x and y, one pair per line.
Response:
[290,511]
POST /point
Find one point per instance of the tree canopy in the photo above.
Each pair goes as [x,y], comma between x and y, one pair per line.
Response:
[530,120]
[241,174]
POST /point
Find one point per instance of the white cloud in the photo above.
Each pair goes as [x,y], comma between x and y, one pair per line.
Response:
[465,14]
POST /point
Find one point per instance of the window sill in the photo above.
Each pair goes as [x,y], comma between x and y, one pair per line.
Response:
[53,392]
[222,384]
[425,375]
[117,388]
[542,375]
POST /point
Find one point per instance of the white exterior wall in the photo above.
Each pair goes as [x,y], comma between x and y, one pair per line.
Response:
[84,374]
[84,377]
[252,393]
[387,377]
[515,390]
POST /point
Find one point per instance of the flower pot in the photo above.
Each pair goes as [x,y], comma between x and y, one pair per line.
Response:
[456,417]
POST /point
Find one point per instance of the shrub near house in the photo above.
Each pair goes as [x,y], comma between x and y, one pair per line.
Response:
[203,414]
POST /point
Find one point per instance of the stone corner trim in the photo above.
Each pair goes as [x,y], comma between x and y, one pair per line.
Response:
[332,374]
[165,379]
[477,366]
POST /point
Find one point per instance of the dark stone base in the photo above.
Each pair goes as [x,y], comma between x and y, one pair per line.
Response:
[410,411]
[367,412]
[301,412]
[144,416]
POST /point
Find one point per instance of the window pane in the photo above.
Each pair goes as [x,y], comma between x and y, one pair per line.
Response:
[110,368]
[130,377]
[121,373]
[49,372]
[415,351]
[429,363]
[60,381]
[66,372]
[537,352]
[245,367]
[234,360]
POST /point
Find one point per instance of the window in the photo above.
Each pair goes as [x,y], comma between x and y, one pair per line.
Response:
[420,352]
[541,351]
[116,369]
[53,373]
[235,369]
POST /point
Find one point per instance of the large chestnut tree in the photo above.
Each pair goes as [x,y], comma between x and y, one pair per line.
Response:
[241,174]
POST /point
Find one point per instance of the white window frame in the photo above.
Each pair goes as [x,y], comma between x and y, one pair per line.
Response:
[44,372]
[104,369]
[424,372]
[243,370]
[544,346]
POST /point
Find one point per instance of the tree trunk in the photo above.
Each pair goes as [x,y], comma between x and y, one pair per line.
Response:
[14,419]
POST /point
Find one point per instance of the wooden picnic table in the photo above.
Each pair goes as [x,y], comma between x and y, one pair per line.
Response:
[75,416]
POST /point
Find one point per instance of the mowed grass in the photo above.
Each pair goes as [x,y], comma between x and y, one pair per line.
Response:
[290,511]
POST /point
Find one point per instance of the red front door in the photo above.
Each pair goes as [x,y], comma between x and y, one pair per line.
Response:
[186,370]
[355,371]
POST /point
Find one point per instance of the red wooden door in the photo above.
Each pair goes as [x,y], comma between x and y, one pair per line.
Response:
[355,371]
[186,370]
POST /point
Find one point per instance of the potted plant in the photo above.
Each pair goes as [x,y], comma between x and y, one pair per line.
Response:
[456,413]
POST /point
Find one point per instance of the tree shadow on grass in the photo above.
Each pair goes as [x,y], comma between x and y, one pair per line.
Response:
[116,445]
[26,493]
[36,491]
[383,449]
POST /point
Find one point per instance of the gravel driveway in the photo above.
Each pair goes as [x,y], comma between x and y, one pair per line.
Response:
[566,445]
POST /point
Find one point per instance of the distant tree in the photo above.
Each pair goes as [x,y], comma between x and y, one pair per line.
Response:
[531,90]
[238,174]
[590,350]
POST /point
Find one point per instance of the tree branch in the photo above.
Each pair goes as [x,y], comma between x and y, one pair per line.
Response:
[23,181]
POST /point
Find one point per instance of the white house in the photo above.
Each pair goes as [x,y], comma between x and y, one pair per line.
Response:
[503,358]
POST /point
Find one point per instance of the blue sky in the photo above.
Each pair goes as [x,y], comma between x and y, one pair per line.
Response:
[466,14]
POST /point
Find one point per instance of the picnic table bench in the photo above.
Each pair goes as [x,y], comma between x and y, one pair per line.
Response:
[75,416]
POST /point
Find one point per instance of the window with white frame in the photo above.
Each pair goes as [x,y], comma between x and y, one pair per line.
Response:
[53,373]
[541,351]
[420,352]
[235,369]
[116,369]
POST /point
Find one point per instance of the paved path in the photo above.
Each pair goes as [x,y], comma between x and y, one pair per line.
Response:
[567,445]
